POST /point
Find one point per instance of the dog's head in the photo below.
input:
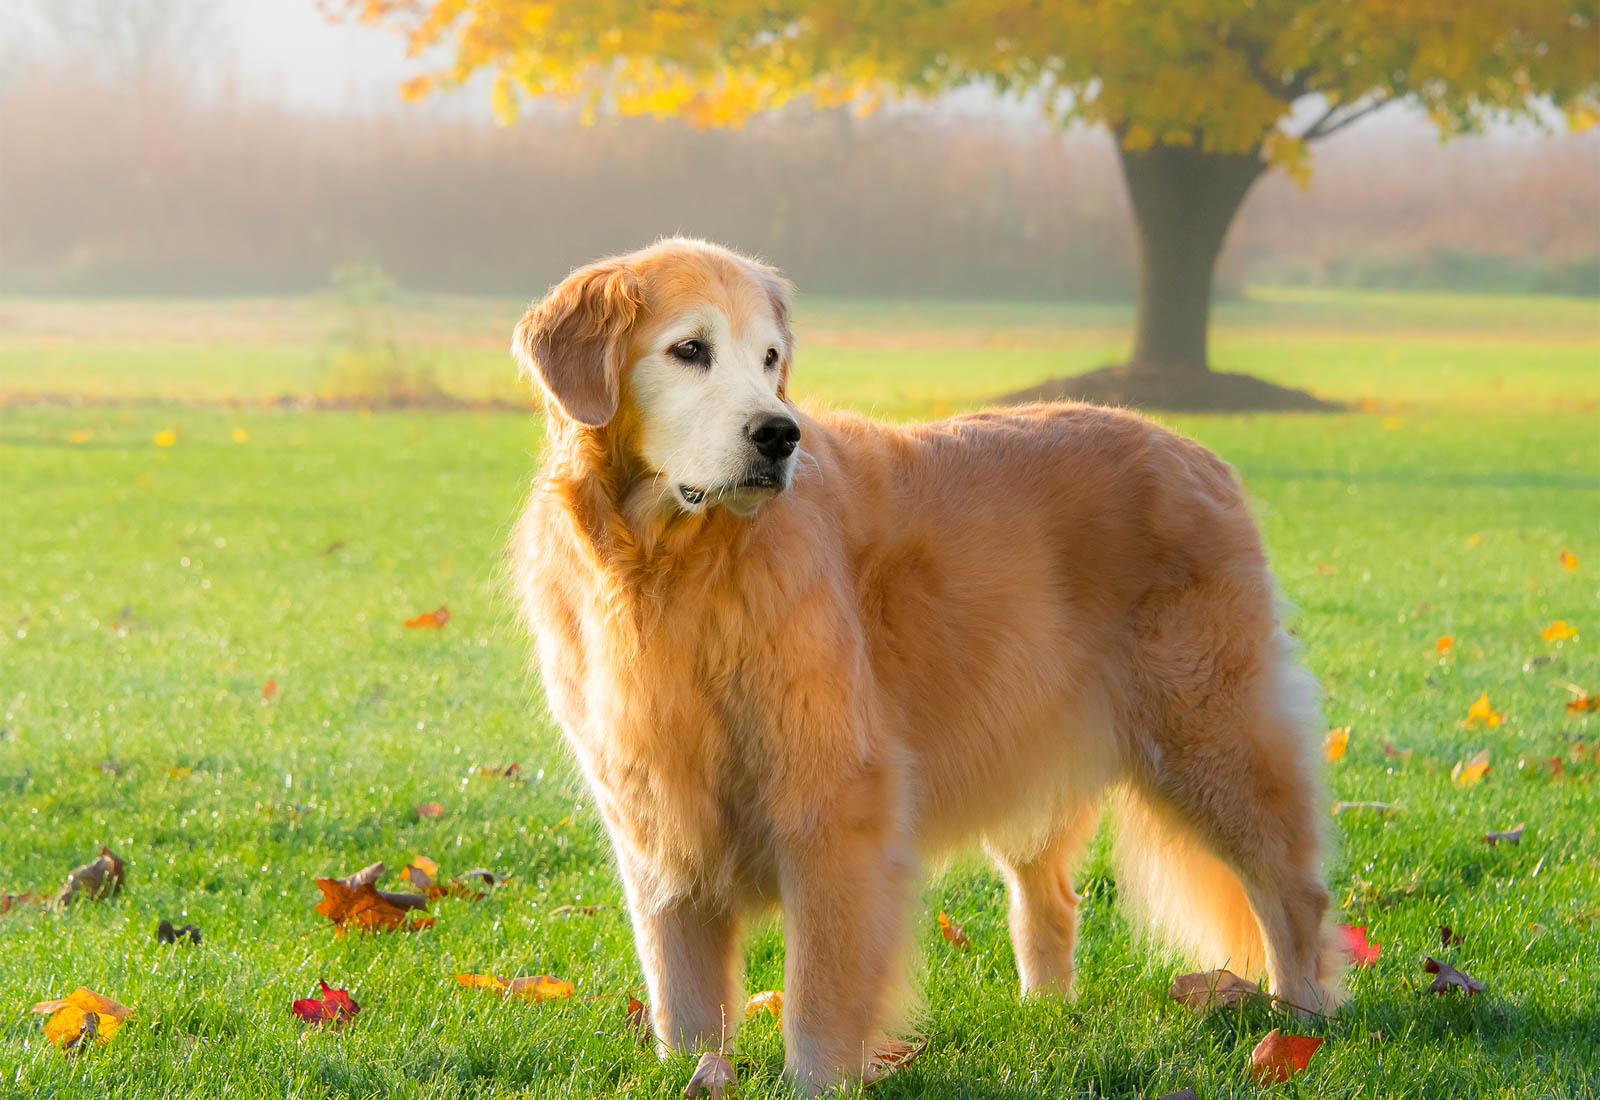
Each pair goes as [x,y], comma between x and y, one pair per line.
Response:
[688,341]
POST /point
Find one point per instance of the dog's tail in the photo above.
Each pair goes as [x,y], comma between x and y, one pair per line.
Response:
[1171,881]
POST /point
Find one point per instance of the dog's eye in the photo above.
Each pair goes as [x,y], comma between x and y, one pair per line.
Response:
[690,351]
[772,357]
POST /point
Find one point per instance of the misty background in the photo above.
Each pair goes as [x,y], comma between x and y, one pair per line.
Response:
[248,146]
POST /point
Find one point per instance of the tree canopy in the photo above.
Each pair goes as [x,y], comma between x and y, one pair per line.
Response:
[1222,77]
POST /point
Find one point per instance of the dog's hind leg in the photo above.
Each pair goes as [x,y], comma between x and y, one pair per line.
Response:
[1044,907]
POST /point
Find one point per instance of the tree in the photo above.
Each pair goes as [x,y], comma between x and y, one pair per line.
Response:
[1203,96]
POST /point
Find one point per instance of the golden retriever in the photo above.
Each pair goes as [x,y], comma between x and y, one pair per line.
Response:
[797,652]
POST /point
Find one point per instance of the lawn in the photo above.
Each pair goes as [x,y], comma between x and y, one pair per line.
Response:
[148,593]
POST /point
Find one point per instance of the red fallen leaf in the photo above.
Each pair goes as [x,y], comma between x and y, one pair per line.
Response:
[429,620]
[1512,835]
[97,878]
[1447,936]
[1362,951]
[638,1021]
[951,931]
[10,901]
[269,692]
[335,1006]
[430,809]
[1279,1057]
[354,901]
[1450,976]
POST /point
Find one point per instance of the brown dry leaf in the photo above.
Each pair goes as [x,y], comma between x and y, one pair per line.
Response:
[1450,976]
[1337,740]
[73,1017]
[1206,989]
[713,1075]
[1279,1057]
[1467,772]
[429,620]
[97,878]
[420,872]
[1447,936]
[532,987]
[430,809]
[166,933]
[952,933]
[567,912]
[1512,835]
[769,1000]
[354,901]
[890,1057]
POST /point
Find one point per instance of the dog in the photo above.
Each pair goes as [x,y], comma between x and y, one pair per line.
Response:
[797,653]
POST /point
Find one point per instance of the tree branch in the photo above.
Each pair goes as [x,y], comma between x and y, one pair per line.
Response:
[1327,124]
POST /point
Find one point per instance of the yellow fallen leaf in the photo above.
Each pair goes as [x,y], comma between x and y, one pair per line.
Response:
[1482,712]
[1558,631]
[1468,772]
[952,932]
[1474,539]
[1335,743]
[67,1016]
[241,436]
[536,987]
[167,438]
[1446,645]
[770,1000]
[1569,560]
[79,436]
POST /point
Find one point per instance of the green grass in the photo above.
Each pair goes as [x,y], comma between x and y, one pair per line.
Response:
[210,556]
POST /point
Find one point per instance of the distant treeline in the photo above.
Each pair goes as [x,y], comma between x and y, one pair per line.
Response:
[149,190]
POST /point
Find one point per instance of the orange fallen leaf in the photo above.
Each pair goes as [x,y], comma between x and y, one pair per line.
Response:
[429,620]
[952,933]
[1279,1057]
[1362,951]
[535,987]
[638,1021]
[1558,631]
[82,1015]
[1468,772]
[1569,561]
[335,1006]
[1446,645]
[430,809]
[1481,713]
[95,879]
[1325,570]
[1582,701]
[770,1000]
[269,691]
[1336,742]
[1450,976]
[1556,766]
[1512,835]
[354,901]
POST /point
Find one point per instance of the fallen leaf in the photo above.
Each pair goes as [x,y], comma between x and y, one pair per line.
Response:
[1569,561]
[241,436]
[1204,989]
[166,933]
[355,901]
[420,872]
[177,772]
[1362,951]
[713,1075]
[1581,702]
[430,620]
[1450,976]
[1336,741]
[891,1056]
[770,1000]
[167,438]
[1558,631]
[68,1017]
[534,987]
[95,879]
[1474,539]
[430,809]
[1325,570]
[638,1021]
[567,912]
[1378,807]
[1482,712]
[952,933]
[1445,645]
[1390,750]
[336,544]
[269,692]
[1447,936]
[1512,835]
[1279,1057]
[335,1006]
[11,901]
[1468,772]
[79,435]
[1534,662]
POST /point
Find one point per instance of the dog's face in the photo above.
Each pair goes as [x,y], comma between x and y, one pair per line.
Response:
[691,343]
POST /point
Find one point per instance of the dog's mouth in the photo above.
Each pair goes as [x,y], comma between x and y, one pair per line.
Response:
[740,496]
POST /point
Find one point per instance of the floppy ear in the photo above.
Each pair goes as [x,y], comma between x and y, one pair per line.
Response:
[575,340]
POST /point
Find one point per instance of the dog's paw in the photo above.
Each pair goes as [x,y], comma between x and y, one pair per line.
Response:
[713,1075]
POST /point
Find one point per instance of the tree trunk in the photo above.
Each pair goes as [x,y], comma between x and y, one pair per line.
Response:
[1184,199]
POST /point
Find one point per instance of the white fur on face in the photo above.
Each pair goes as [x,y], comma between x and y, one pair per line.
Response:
[694,415]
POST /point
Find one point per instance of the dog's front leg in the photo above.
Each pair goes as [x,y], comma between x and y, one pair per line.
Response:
[845,890]
[689,951]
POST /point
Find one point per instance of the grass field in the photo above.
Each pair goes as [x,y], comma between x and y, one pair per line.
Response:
[148,592]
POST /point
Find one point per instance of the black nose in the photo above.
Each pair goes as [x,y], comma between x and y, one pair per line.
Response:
[774,436]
